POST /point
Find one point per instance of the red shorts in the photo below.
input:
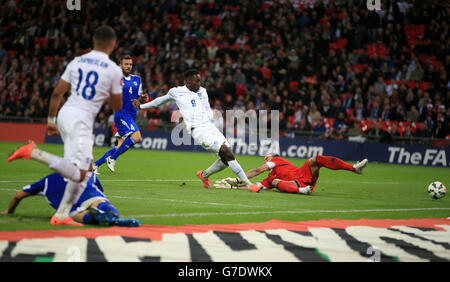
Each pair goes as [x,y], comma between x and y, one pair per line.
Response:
[303,176]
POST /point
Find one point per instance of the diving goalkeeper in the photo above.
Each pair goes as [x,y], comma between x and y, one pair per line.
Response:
[288,178]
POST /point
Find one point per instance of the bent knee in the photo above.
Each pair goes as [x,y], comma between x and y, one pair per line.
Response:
[313,161]
[225,153]
[137,137]
[82,175]
[275,182]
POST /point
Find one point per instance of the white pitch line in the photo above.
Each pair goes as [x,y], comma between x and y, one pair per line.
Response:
[281,212]
[250,206]
[168,200]
[185,202]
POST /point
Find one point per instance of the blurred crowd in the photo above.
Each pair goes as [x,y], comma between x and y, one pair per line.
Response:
[331,67]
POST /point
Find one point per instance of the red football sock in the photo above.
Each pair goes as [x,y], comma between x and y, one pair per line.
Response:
[333,163]
[287,187]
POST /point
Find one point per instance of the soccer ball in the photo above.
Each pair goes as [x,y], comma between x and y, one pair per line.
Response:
[436,190]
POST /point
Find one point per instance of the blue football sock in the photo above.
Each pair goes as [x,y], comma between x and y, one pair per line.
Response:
[108,208]
[88,219]
[102,160]
[127,144]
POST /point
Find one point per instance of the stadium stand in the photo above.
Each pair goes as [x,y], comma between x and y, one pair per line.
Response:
[367,72]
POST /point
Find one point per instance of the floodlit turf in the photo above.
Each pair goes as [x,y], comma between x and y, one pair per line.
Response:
[160,187]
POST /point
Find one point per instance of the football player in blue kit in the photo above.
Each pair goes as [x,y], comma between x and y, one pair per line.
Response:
[91,208]
[127,130]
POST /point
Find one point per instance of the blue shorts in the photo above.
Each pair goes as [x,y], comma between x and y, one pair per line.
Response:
[125,124]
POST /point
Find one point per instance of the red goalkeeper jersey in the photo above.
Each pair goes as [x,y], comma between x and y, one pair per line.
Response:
[285,170]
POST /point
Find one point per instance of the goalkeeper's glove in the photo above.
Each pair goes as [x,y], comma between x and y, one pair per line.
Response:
[222,184]
[234,181]
[229,183]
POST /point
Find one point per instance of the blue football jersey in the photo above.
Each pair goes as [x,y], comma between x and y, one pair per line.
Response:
[52,187]
[132,89]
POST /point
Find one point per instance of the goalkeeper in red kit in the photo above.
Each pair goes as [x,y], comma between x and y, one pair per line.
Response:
[291,179]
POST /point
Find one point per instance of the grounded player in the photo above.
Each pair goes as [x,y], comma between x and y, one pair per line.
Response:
[91,78]
[289,178]
[125,119]
[192,100]
[91,208]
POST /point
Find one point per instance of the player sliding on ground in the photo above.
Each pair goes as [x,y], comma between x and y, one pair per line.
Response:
[125,120]
[193,102]
[289,178]
[91,208]
[91,78]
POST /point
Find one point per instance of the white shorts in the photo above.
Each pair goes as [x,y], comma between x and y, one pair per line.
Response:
[86,205]
[75,127]
[210,138]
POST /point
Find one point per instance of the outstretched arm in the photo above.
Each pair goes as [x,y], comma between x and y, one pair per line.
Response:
[257,171]
[153,104]
[18,196]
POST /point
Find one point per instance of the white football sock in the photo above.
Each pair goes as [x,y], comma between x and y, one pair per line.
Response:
[62,166]
[304,190]
[65,168]
[217,166]
[237,169]
[71,195]
[40,156]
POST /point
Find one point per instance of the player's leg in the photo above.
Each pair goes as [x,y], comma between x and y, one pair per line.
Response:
[78,144]
[211,139]
[204,175]
[123,131]
[84,217]
[71,195]
[128,143]
[79,217]
[226,155]
[60,165]
[102,160]
[217,166]
[290,187]
[88,216]
[132,135]
[103,211]
[315,163]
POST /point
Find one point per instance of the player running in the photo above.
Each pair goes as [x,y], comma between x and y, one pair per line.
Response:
[91,78]
[193,102]
[289,178]
[91,208]
[125,120]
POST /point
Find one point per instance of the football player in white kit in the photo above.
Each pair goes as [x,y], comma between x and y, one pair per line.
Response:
[91,78]
[193,103]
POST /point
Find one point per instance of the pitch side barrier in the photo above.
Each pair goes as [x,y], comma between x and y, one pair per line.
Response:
[297,148]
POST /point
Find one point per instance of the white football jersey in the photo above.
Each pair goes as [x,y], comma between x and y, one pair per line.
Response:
[193,106]
[92,77]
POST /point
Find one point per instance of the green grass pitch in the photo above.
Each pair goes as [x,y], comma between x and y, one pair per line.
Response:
[148,185]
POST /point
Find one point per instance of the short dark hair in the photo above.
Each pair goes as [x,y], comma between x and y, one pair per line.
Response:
[103,35]
[125,57]
[190,73]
